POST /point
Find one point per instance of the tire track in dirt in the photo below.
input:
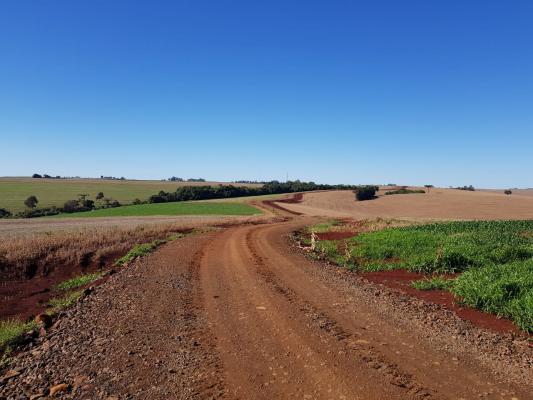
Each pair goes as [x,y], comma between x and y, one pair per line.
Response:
[272,349]
[358,348]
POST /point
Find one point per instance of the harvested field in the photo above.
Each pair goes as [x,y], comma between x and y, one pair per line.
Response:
[436,205]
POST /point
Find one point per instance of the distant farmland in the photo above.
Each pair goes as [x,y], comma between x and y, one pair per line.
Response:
[176,208]
[54,192]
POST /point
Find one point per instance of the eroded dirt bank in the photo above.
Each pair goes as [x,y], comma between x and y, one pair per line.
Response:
[240,314]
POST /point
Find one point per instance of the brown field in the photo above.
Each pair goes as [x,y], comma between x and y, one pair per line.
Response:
[438,204]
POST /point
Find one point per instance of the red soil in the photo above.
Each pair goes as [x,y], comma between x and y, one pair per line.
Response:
[297,198]
[22,299]
[401,279]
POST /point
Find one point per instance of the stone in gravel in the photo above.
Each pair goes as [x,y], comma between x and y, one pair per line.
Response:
[9,374]
[43,320]
[62,387]
[37,396]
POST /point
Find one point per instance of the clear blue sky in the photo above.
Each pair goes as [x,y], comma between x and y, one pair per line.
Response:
[407,92]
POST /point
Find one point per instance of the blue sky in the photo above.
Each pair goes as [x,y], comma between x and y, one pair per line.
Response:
[406,92]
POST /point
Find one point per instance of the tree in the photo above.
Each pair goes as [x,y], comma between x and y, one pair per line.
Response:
[428,187]
[31,202]
[100,196]
[365,192]
[36,176]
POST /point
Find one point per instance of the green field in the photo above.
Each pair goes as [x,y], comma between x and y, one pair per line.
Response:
[493,260]
[176,208]
[54,192]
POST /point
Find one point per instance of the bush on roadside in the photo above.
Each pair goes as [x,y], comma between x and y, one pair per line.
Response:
[4,213]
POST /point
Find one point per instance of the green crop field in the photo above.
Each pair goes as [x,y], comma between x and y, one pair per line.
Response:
[54,192]
[493,260]
[176,208]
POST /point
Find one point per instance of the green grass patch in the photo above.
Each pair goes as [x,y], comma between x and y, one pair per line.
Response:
[139,251]
[505,290]
[434,283]
[494,260]
[78,281]
[445,247]
[65,301]
[175,208]
[12,330]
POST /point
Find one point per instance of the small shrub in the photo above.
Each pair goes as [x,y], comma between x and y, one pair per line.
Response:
[4,213]
[31,202]
[508,191]
[367,192]
[100,196]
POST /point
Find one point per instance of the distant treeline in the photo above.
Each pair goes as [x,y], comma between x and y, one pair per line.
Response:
[469,188]
[46,176]
[178,179]
[187,193]
[251,182]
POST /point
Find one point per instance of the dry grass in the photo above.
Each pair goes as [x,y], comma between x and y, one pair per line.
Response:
[26,251]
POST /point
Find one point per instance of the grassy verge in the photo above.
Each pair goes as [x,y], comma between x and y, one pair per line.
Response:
[60,303]
[175,208]
[12,330]
[79,281]
[139,251]
[494,260]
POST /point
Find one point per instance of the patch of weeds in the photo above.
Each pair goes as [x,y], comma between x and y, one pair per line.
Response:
[323,226]
[139,251]
[505,290]
[434,283]
[65,301]
[78,281]
[11,331]
[176,236]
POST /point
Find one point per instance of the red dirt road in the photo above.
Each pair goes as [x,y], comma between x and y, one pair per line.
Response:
[239,313]
[284,331]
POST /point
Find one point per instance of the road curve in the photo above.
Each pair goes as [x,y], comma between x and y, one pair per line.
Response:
[239,313]
[285,331]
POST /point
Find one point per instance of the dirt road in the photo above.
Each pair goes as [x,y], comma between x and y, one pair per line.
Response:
[241,314]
